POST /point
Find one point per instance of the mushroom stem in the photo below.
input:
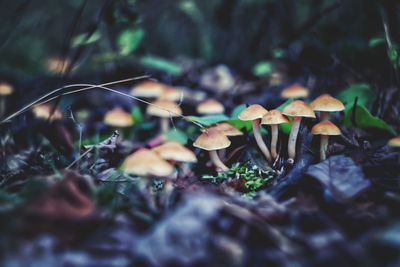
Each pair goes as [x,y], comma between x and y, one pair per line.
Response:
[259,140]
[274,140]
[164,123]
[324,146]
[222,154]
[217,162]
[323,115]
[293,137]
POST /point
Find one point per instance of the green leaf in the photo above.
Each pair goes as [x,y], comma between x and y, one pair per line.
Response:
[364,119]
[137,114]
[240,124]
[160,64]
[376,41]
[129,40]
[363,91]
[236,111]
[176,135]
[278,52]
[81,39]
[263,68]
[208,119]
[287,102]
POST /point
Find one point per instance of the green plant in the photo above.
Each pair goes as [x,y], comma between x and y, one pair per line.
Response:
[256,178]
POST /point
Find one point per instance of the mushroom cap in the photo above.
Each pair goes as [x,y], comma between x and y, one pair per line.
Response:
[294,91]
[173,150]
[252,112]
[146,162]
[44,111]
[164,108]
[395,142]
[170,93]
[326,102]
[210,106]
[325,128]
[212,139]
[147,89]
[274,117]
[227,129]
[118,117]
[6,88]
[57,64]
[298,108]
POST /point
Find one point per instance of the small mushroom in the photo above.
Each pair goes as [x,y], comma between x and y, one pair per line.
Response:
[228,130]
[210,106]
[171,93]
[58,65]
[254,113]
[44,111]
[297,109]
[5,90]
[148,89]
[325,129]
[395,142]
[119,118]
[213,140]
[295,91]
[165,109]
[324,104]
[174,151]
[274,118]
[145,162]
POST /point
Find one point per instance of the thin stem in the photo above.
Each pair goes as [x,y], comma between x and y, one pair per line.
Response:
[164,124]
[293,137]
[259,140]
[324,115]
[217,162]
[274,140]
[324,146]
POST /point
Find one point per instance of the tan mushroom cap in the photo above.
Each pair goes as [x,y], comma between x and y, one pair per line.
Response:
[173,150]
[148,89]
[294,91]
[57,64]
[252,112]
[210,106]
[395,142]
[164,108]
[212,140]
[274,117]
[227,129]
[44,111]
[118,117]
[146,162]
[6,88]
[298,108]
[325,128]
[170,93]
[326,102]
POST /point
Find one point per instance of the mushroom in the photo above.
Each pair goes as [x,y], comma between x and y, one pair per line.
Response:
[395,142]
[170,93]
[119,118]
[228,130]
[297,109]
[325,129]
[148,89]
[164,109]
[295,91]
[44,111]
[174,151]
[254,113]
[5,90]
[58,65]
[213,140]
[274,117]
[324,104]
[145,162]
[210,106]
